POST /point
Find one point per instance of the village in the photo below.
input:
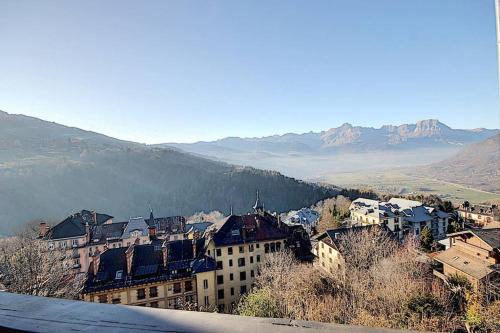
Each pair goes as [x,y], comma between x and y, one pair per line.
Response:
[202,265]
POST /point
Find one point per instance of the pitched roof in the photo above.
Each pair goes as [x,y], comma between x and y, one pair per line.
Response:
[147,265]
[334,236]
[465,262]
[107,232]
[491,236]
[135,224]
[169,224]
[239,229]
[74,225]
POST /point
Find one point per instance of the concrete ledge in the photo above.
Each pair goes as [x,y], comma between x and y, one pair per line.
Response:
[39,314]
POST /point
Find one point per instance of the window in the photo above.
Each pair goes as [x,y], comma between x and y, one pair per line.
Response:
[251,259]
[103,298]
[242,249]
[241,262]
[243,290]
[278,246]
[219,264]
[75,242]
[141,293]
[51,247]
[220,279]
[207,303]
[231,276]
[188,285]
[266,248]
[232,291]
[177,287]
[243,276]
[115,300]
[153,292]
[154,304]
[230,262]
[205,284]
[322,245]
[257,245]
[273,247]
[250,248]
[219,252]
[330,250]
[229,250]
[252,274]
[220,293]
[258,258]
[221,307]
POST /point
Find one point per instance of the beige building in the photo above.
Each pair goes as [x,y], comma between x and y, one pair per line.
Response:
[484,216]
[86,233]
[238,246]
[474,254]
[328,249]
[174,275]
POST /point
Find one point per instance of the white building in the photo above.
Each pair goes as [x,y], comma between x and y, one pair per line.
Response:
[306,217]
[401,216]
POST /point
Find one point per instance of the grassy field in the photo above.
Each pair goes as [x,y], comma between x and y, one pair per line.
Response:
[401,183]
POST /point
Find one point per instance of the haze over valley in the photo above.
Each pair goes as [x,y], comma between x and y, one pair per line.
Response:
[394,158]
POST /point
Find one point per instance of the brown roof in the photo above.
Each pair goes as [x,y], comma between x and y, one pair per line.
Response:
[465,263]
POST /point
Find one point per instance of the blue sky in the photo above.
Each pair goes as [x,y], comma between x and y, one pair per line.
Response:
[163,71]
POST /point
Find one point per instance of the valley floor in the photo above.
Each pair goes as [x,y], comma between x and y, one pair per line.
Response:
[399,182]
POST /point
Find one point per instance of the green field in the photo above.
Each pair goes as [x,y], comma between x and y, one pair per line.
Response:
[401,183]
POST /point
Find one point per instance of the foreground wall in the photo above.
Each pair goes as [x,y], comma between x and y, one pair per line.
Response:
[40,314]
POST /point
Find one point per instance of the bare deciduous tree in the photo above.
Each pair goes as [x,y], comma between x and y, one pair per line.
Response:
[27,266]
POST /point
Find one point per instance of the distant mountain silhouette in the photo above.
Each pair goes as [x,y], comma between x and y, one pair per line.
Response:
[49,170]
[346,138]
[476,166]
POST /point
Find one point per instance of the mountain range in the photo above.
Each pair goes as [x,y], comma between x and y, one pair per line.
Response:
[346,138]
[48,171]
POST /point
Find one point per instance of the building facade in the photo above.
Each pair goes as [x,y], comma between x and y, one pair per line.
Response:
[474,254]
[161,275]
[85,233]
[484,216]
[401,216]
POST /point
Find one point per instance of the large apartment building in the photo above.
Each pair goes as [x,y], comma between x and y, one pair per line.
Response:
[401,216]
[238,246]
[163,274]
[85,233]
[208,268]
[474,254]
[485,216]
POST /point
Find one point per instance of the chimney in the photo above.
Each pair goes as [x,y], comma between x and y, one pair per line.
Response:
[196,236]
[43,229]
[152,232]
[164,251]
[87,232]
[129,256]
[96,259]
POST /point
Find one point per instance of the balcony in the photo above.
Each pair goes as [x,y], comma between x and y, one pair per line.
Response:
[23,313]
